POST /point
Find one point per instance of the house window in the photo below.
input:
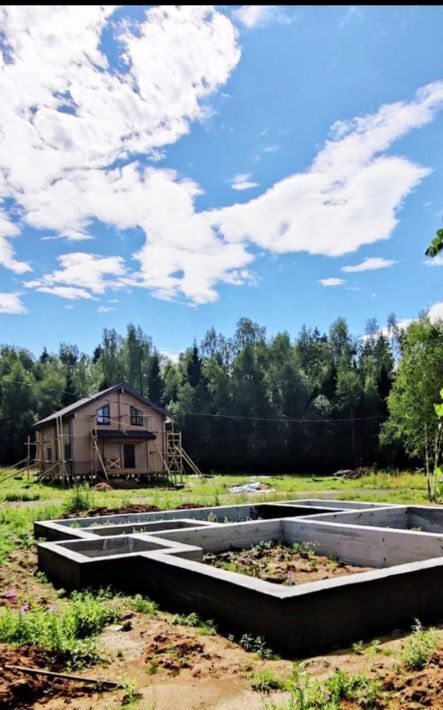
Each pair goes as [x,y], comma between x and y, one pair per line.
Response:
[136,417]
[103,415]
[49,454]
[67,452]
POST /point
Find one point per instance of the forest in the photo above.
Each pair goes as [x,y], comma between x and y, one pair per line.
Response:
[250,403]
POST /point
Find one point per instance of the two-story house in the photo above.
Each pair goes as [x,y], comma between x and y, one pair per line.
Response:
[113,433]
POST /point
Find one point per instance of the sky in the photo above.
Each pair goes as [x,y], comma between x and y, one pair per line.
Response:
[183,167]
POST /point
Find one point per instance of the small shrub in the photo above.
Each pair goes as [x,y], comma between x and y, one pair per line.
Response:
[79,500]
[265,681]
[304,549]
[256,645]
[132,694]
[205,626]
[143,605]
[41,577]
[308,693]
[360,688]
[420,647]
[358,647]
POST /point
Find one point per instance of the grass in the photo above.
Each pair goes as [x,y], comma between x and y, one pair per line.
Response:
[308,693]
[143,605]
[79,500]
[67,631]
[266,681]
[390,487]
[420,647]
[206,627]
[34,501]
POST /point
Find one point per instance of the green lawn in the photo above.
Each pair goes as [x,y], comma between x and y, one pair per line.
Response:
[24,500]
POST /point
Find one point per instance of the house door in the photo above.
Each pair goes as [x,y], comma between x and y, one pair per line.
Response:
[129,455]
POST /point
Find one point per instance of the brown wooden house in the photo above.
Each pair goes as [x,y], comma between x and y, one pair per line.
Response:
[113,433]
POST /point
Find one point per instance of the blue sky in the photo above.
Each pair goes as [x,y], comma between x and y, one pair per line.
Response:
[183,167]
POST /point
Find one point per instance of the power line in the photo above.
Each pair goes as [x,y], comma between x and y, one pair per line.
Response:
[281,419]
[37,383]
[288,420]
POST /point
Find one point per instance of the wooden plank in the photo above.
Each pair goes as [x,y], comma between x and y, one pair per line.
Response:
[62,676]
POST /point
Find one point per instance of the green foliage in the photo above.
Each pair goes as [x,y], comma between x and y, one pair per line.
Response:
[265,681]
[67,632]
[79,500]
[411,403]
[436,245]
[420,647]
[193,619]
[257,645]
[267,391]
[305,549]
[143,605]
[308,693]
[132,695]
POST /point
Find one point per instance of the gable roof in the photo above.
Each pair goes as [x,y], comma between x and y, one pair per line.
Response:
[75,406]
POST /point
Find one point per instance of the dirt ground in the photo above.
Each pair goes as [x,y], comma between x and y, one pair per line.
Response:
[131,508]
[171,664]
[282,564]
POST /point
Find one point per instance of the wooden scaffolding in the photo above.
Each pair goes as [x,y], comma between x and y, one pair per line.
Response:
[176,462]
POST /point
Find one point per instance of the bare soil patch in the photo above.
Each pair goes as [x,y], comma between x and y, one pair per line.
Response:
[416,689]
[123,509]
[18,584]
[282,564]
[21,690]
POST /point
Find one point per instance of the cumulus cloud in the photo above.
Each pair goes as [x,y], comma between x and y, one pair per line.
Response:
[350,194]
[7,230]
[332,282]
[369,265]
[435,261]
[11,303]
[243,181]
[435,312]
[66,111]
[73,129]
[258,15]
[81,276]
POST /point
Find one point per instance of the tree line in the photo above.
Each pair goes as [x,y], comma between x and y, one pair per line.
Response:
[318,402]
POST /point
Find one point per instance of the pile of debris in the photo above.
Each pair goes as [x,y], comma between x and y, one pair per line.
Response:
[252,487]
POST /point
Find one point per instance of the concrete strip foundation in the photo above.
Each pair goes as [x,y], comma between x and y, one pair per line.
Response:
[161,555]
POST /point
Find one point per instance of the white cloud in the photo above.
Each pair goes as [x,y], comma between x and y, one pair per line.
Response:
[105,309]
[7,230]
[369,265]
[332,282]
[81,275]
[70,292]
[435,312]
[348,197]
[68,118]
[435,261]
[272,148]
[243,182]
[258,15]
[11,303]
[65,111]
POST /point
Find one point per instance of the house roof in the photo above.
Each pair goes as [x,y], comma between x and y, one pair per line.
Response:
[70,410]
